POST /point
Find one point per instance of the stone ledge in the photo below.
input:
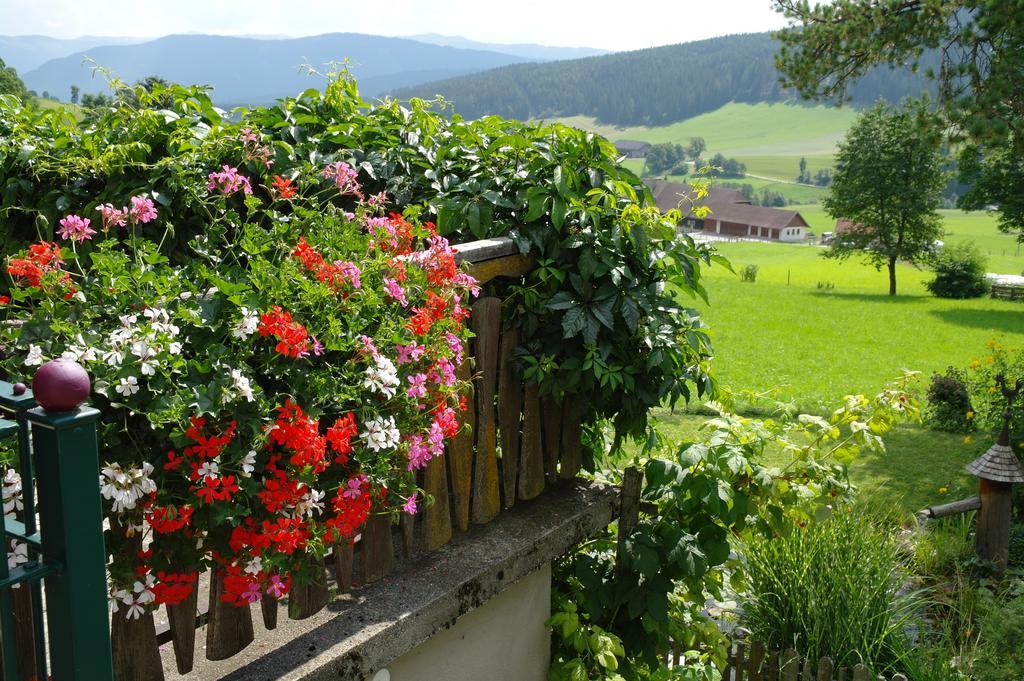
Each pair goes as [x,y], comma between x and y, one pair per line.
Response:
[360,633]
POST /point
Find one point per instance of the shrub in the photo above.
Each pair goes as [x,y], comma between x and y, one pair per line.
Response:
[831,588]
[749,273]
[959,272]
[1001,651]
[949,402]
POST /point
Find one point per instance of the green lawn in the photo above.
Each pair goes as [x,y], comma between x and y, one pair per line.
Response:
[815,344]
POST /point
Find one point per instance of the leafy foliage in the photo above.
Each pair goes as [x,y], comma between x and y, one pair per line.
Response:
[972,50]
[665,158]
[830,588]
[888,183]
[949,402]
[698,499]
[959,272]
[10,83]
[603,313]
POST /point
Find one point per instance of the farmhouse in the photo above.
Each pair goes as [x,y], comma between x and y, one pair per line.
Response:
[632,148]
[731,213]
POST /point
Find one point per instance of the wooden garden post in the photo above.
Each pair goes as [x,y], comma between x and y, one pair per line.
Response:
[997,470]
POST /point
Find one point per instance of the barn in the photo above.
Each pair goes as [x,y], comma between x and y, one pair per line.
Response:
[632,148]
[731,213]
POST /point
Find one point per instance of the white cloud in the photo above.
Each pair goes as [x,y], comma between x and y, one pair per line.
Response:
[593,23]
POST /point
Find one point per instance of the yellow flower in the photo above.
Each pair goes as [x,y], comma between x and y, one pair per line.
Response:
[943,490]
[975,364]
[970,415]
[967,440]
[990,359]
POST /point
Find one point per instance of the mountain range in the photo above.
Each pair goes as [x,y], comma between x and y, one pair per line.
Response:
[654,86]
[259,70]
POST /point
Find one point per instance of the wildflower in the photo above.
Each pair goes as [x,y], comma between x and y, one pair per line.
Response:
[381,433]
[127,386]
[943,490]
[143,210]
[75,228]
[967,439]
[970,415]
[35,356]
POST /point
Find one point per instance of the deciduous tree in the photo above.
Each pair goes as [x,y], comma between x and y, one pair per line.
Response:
[889,183]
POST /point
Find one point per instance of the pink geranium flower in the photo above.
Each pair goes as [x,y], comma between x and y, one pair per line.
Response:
[75,228]
[228,181]
[410,505]
[111,217]
[142,209]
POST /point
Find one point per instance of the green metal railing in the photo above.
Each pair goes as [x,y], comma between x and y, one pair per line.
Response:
[57,456]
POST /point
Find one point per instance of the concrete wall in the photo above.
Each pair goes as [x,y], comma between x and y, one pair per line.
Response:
[503,640]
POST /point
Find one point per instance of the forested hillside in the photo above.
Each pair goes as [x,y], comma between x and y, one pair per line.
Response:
[645,87]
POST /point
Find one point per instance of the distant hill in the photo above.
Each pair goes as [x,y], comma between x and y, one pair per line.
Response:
[258,70]
[647,87]
[26,52]
[526,50]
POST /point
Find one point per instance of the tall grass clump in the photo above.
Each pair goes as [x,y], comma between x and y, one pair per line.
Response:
[832,588]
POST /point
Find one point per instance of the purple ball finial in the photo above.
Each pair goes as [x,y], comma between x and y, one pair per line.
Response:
[19,389]
[61,385]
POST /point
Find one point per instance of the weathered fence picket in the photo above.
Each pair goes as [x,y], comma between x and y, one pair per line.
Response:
[751,662]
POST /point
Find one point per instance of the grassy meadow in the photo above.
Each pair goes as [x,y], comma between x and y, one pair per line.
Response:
[811,345]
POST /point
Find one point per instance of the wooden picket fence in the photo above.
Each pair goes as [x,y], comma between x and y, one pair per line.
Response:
[752,662]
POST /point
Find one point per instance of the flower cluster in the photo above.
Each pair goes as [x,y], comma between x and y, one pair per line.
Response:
[276,392]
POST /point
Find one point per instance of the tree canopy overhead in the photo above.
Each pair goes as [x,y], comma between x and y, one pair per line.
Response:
[888,183]
[973,50]
[979,44]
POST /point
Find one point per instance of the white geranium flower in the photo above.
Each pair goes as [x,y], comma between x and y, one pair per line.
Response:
[17,553]
[35,356]
[79,296]
[129,320]
[381,433]
[382,377]
[247,326]
[254,567]
[209,469]
[147,357]
[114,357]
[125,488]
[127,386]
[241,384]
[249,463]
[311,502]
[12,494]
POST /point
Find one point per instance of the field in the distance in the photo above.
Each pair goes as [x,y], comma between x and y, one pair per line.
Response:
[769,138]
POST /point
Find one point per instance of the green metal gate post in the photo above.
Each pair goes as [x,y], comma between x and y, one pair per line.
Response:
[71,516]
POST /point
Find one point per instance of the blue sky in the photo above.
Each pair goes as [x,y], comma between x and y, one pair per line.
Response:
[614,25]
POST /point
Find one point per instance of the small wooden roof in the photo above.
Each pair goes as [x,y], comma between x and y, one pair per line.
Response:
[998,464]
